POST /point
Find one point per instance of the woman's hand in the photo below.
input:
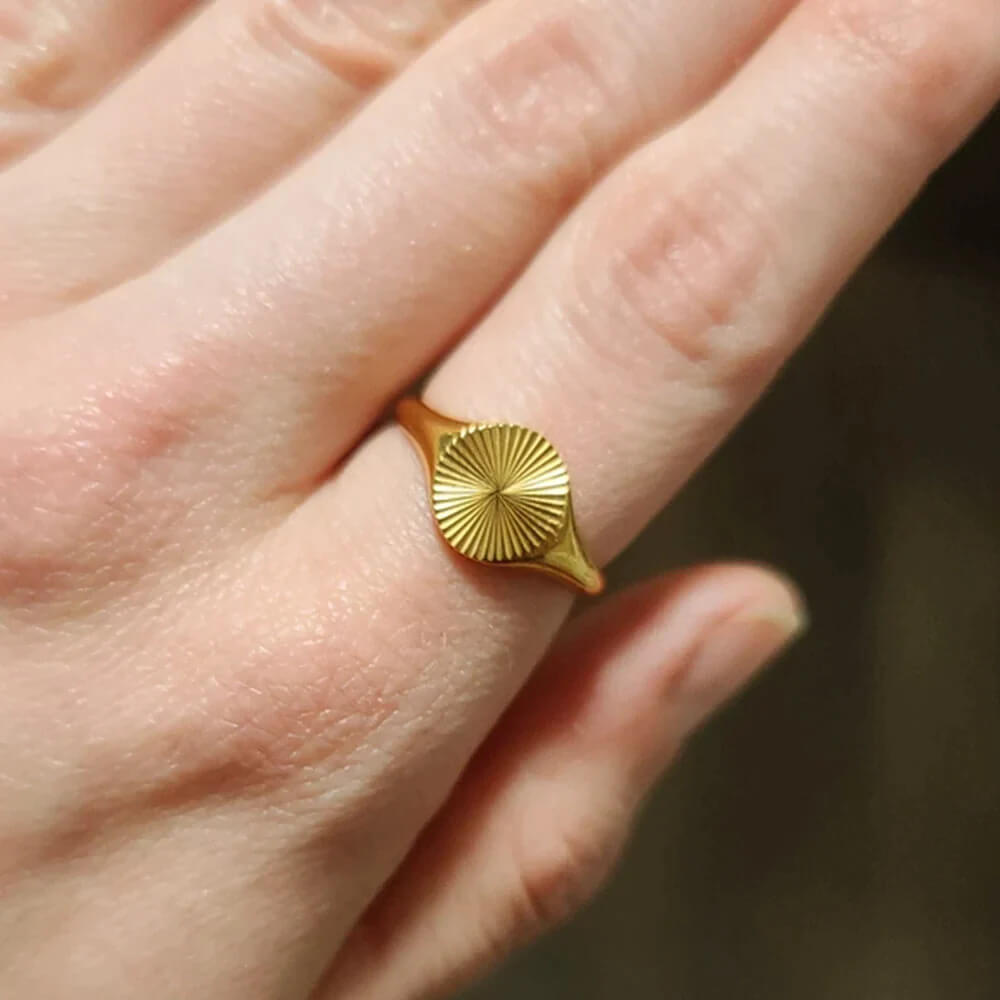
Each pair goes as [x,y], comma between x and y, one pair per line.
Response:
[239,671]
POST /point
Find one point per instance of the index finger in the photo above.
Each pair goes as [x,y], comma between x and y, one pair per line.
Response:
[646,328]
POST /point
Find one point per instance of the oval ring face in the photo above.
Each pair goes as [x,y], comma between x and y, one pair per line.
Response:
[500,493]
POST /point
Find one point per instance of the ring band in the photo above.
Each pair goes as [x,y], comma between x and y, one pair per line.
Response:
[500,495]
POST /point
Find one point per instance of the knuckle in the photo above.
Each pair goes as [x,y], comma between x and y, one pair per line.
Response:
[82,505]
[43,68]
[929,56]
[560,868]
[232,714]
[60,503]
[292,705]
[199,732]
[296,716]
[535,101]
[663,275]
[363,674]
[357,43]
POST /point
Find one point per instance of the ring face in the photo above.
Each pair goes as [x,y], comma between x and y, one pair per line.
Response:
[500,493]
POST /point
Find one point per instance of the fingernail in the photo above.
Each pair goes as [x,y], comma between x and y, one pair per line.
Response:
[736,649]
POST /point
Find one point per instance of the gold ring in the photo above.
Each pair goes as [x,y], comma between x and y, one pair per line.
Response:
[500,495]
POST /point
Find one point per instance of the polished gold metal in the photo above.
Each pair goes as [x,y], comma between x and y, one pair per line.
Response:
[500,495]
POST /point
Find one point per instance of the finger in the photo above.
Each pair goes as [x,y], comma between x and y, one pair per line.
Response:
[659,312]
[636,339]
[238,95]
[538,818]
[346,279]
[55,57]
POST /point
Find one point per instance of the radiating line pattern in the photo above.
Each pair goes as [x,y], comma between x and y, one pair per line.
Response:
[500,493]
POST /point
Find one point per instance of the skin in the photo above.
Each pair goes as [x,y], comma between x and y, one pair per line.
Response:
[261,733]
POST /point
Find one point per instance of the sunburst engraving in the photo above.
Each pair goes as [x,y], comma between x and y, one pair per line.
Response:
[500,493]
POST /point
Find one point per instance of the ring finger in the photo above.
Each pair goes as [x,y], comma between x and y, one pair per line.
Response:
[662,308]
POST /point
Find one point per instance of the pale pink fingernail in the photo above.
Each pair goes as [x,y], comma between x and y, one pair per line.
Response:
[735,649]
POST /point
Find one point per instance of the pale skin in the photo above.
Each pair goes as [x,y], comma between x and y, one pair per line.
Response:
[262,735]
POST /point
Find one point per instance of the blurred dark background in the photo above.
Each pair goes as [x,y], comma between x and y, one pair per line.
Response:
[835,834]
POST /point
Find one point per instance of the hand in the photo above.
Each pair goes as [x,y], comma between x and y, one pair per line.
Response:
[239,671]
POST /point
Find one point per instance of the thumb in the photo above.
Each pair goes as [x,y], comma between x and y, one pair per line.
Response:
[539,816]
